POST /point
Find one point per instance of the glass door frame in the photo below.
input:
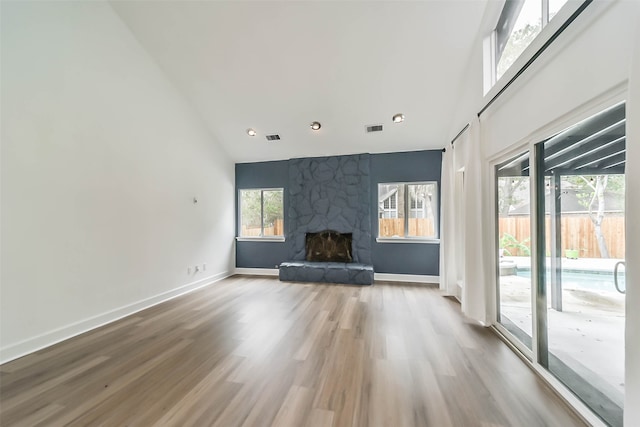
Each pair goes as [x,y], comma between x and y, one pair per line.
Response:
[514,151]
[537,357]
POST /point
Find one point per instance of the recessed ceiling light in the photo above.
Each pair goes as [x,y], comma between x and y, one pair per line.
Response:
[251,132]
[398,118]
[316,125]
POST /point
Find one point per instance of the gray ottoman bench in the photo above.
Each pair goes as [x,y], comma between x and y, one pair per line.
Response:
[329,272]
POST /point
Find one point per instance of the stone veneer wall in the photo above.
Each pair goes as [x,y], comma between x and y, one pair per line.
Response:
[330,193]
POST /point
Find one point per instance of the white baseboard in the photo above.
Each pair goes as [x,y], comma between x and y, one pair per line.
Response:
[257,271]
[50,338]
[415,278]
[459,291]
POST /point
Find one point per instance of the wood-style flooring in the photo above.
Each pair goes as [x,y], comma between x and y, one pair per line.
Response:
[250,351]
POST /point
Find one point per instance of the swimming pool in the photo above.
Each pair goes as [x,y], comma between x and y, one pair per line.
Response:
[584,279]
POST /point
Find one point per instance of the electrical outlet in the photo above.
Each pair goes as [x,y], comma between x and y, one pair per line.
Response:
[204,267]
[188,271]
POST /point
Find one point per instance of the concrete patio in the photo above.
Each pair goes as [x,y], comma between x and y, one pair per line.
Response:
[588,334]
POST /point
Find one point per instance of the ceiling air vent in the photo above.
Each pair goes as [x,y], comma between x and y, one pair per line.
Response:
[373,128]
[274,137]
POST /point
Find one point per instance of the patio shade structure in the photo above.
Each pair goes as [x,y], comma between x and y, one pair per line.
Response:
[595,146]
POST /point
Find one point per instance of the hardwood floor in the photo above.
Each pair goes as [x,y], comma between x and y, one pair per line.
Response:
[252,351]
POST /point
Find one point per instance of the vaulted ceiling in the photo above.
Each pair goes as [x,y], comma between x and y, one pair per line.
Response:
[277,66]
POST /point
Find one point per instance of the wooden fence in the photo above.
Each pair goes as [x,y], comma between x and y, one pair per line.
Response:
[390,227]
[277,229]
[577,233]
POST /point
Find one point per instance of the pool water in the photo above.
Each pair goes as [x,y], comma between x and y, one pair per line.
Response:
[585,280]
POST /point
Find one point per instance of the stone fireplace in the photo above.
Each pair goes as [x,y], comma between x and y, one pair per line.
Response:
[330,194]
[329,221]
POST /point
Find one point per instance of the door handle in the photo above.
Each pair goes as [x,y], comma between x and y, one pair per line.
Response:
[615,276]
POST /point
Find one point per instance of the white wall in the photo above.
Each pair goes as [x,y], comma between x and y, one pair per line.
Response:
[101,158]
[571,80]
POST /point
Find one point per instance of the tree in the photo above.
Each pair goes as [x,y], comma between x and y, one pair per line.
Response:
[517,43]
[254,205]
[250,211]
[507,192]
[590,194]
[598,195]
[272,207]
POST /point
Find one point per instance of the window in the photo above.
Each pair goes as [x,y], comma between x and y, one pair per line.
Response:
[416,204]
[408,210]
[520,22]
[390,206]
[261,213]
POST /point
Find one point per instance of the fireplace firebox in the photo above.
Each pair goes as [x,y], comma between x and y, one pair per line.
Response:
[328,246]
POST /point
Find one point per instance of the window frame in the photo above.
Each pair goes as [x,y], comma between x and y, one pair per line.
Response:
[407,209]
[420,208]
[261,237]
[493,84]
[392,211]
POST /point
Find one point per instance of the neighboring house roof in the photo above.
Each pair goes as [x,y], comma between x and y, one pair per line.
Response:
[388,194]
[570,203]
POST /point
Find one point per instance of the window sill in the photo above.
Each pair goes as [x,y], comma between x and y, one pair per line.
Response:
[260,239]
[406,240]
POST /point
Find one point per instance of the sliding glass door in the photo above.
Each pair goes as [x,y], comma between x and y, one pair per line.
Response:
[580,173]
[568,316]
[513,271]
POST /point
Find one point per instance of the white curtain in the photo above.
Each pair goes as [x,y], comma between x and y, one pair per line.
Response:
[476,216]
[465,234]
[448,257]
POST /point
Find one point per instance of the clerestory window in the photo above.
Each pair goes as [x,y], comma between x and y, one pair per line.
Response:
[519,24]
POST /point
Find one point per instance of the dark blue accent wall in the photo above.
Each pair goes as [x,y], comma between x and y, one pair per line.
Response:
[404,258]
[397,258]
[261,254]
[262,175]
